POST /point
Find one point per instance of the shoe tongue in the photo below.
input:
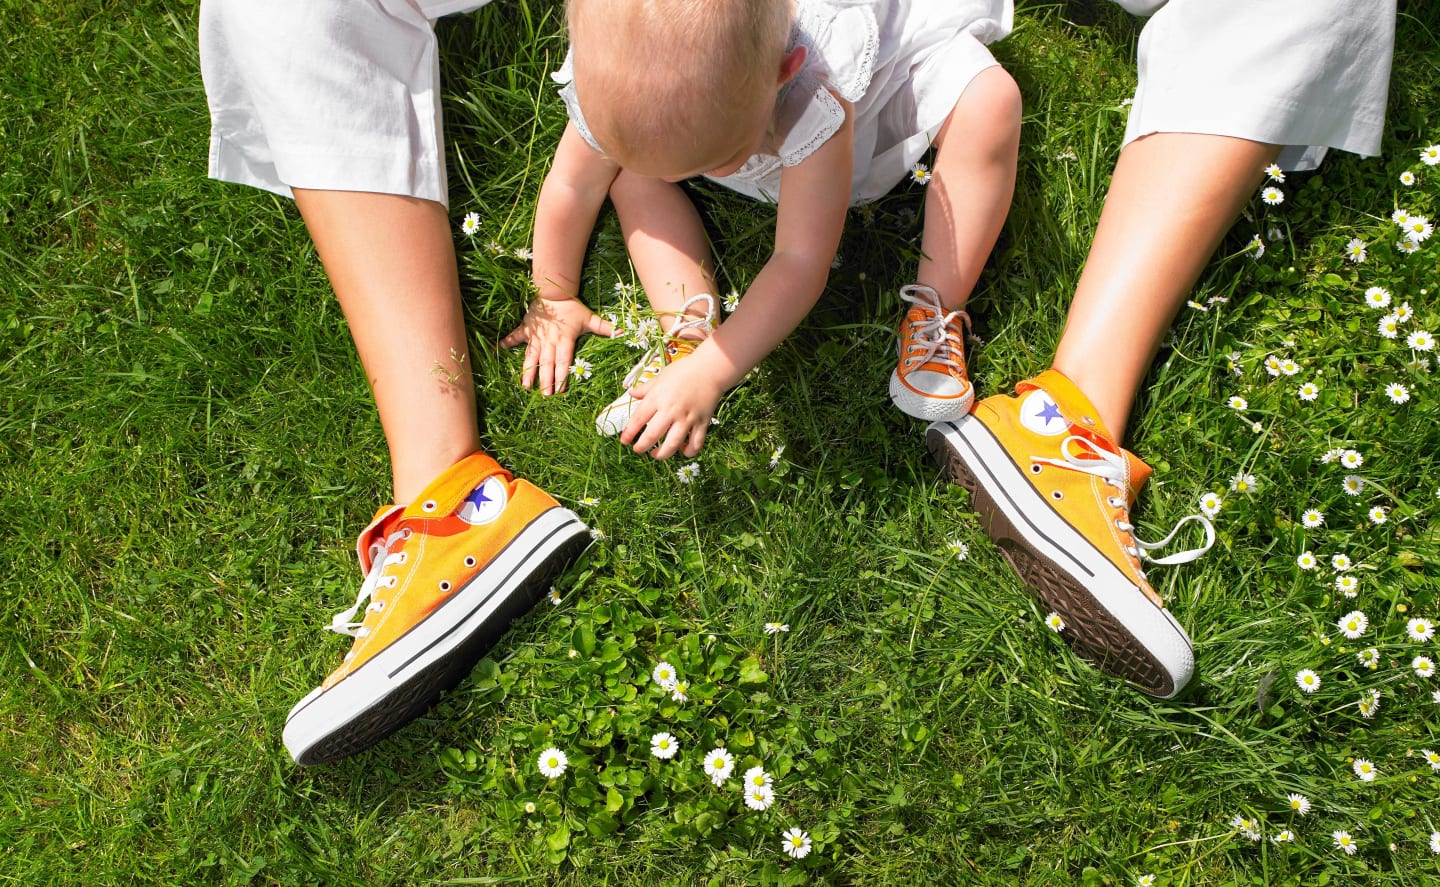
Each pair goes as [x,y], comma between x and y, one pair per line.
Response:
[1073,404]
[1139,473]
[381,525]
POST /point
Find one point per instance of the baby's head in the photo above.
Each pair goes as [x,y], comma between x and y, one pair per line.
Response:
[675,88]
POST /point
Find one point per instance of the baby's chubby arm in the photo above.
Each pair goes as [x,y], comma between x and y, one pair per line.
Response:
[675,408]
[570,199]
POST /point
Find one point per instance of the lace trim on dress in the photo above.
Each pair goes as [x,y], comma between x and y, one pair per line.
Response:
[566,78]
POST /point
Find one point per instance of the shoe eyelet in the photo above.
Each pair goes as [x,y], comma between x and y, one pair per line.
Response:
[362,632]
[1056,495]
[389,581]
[1088,421]
[444,584]
[402,557]
[470,560]
[429,505]
[1035,468]
[406,533]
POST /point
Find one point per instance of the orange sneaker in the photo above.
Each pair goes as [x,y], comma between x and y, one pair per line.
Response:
[613,419]
[1055,491]
[444,578]
[929,381]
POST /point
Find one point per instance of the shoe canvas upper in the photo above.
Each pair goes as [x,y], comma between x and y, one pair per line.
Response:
[932,346]
[1034,428]
[417,557]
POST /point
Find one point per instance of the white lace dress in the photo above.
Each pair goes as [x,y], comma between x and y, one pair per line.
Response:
[902,63]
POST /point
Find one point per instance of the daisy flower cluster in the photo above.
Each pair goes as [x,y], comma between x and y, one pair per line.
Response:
[1338,390]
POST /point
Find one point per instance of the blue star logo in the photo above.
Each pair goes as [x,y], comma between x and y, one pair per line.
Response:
[1049,411]
[477,497]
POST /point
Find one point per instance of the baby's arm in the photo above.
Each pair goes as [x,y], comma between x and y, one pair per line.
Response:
[570,199]
[814,195]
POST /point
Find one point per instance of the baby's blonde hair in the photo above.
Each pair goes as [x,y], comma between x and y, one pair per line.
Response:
[663,82]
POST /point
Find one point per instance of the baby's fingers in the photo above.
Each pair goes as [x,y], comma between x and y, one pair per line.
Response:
[518,336]
[531,365]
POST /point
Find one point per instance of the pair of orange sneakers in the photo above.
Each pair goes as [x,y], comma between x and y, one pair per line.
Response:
[444,578]
[1054,491]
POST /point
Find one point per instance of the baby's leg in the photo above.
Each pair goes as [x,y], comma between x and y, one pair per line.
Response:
[391,261]
[969,196]
[1172,198]
[667,243]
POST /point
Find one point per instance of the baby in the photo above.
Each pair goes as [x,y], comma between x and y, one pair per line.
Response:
[816,105]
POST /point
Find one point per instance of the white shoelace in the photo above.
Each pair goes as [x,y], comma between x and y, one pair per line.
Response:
[933,333]
[1112,469]
[654,360]
[344,622]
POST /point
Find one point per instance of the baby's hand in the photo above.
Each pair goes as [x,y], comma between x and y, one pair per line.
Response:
[549,331]
[674,407]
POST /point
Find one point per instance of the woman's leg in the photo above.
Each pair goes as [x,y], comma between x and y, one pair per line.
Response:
[391,261]
[1172,197]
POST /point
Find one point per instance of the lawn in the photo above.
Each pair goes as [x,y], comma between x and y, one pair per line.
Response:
[188,446]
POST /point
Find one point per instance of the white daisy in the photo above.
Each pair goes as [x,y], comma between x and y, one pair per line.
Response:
[775,455]
[1369,658]
[1397,393]
[1308,392]
[688,473]
[1418,229]
[581,368]
[1307,680]
[1352,459]
[1340,563]
[960,549]
[1196,305]
[1353,624]
[1299,803]
[552,763]
[1430,155]
[1368,704]
[1420,629]
[1389,326]
[1256,427]
[759,797]
[1377,297]
[1420,340]
[664,746]
[1407,246]
[524,253]
[718,765]
[1272,365]
[1378,515]
[1256,248]
[1312,518]
[1435,836]
[776,627]
[1424,667]
[555,596]
[1347,585]
[731,302]
[921,174]
[1355,251]
[1210,504]
[471,224]
[1331,455]
[795,843]
[1407,178]
[1306,561]
[1344,842]
[1400,216]
[664,675]
[1243,483]
[1237,402]
[1284,836]
[1274,234]
[1245,826]
[1275,173]
[1365,770]
[1289,367]
[680,692]
[756,777]
[1272,195]
[1055,623]
[1353,484]
[1145,881]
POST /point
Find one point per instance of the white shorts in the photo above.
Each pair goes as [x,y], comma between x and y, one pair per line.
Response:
[1305,74]
[326,94]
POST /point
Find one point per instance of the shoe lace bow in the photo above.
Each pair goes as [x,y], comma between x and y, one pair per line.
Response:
[1112,469]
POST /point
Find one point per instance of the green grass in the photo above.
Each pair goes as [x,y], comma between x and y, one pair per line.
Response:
[187,447]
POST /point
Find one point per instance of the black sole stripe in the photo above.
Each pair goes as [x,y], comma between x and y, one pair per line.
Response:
[1024,515]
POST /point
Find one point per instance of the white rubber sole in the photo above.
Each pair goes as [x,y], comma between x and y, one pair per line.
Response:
[931,409]
[1108,618]
[406,678]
